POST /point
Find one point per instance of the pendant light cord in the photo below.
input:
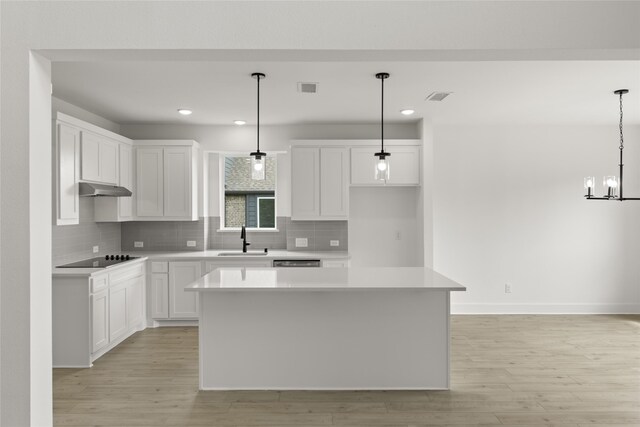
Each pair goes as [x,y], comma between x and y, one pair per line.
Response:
[382,116]
[258,115]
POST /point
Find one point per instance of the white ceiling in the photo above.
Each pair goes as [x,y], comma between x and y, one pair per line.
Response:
[493,92]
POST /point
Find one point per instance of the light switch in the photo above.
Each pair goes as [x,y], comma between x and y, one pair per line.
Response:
[334,242]
[138,244]
[191,243]
[302,242]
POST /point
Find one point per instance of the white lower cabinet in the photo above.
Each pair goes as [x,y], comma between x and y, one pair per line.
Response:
[159,295]
[169,301]
[91,315]
[183,305]
[135,302]
[117,311]
[209,266]
[99,320]
[335,263]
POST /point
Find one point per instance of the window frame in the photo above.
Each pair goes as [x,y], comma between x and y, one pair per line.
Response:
[222,193]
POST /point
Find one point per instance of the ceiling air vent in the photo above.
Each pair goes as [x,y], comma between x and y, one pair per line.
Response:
[437,96]
[307,87]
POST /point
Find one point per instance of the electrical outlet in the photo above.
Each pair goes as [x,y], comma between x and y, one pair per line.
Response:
[507,288]
[96,249]
[191,243]
[302,242]
[334,242]
[138,244]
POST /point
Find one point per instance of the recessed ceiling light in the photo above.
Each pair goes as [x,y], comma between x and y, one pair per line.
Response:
[184,111]
[407,112]
[240,122]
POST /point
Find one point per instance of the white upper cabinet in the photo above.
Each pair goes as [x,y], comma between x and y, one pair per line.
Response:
[118,209]
[334,180]
[86,152]
[177,182]
[404,165]
[99,158]
[125,205]
[305,183]
[319,183]
[166,180]
[150,182]
[67,170]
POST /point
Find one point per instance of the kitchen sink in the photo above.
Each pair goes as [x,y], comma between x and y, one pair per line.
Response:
[239,253]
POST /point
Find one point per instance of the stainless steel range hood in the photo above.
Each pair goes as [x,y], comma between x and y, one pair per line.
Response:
[88,189]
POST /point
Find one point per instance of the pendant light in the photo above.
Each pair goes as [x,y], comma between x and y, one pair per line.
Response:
[611,183]
[382,163]
[258,158]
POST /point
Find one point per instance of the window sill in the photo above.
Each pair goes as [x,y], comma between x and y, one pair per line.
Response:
[252,230]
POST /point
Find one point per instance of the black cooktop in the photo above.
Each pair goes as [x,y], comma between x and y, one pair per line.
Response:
[100,262]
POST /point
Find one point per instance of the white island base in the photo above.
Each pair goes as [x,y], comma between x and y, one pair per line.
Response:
[324,329]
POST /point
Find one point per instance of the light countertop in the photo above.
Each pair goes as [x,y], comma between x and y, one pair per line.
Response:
[239,279]
[212,255]
[61,272]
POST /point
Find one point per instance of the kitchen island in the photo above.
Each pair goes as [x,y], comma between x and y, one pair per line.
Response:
[324,329]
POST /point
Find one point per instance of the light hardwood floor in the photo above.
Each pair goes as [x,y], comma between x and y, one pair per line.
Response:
[506,370]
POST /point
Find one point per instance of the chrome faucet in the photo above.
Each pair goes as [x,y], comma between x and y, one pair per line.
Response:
[243,236]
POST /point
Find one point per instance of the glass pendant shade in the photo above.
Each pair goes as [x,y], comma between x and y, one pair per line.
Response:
[610,185]
[589,184]
[257,167]
[382,168]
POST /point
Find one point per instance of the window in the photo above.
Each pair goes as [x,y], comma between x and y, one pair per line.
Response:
[248,202]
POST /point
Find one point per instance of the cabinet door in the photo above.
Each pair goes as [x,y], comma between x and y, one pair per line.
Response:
[404,166]
[335,263]
[108,161]
[334,183]
[183,305]
[160,296]
[90,156]
[68,173]
[305,183]
[363,164]
[149,182]
[209,266]
[134,302]
[125,204]
[117,311]
[177,182]
[99,320]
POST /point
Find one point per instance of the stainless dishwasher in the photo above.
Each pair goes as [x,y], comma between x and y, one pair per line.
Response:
[296,263]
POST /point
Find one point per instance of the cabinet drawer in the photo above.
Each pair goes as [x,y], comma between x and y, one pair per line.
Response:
[99,283]
[159,267]
[126,274]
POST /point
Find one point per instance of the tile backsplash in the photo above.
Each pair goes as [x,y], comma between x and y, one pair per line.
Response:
[173,235]
[164,235]
[319,235]
[72,243]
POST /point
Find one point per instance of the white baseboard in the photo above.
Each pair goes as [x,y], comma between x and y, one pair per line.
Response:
[545,308]
[162,323]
